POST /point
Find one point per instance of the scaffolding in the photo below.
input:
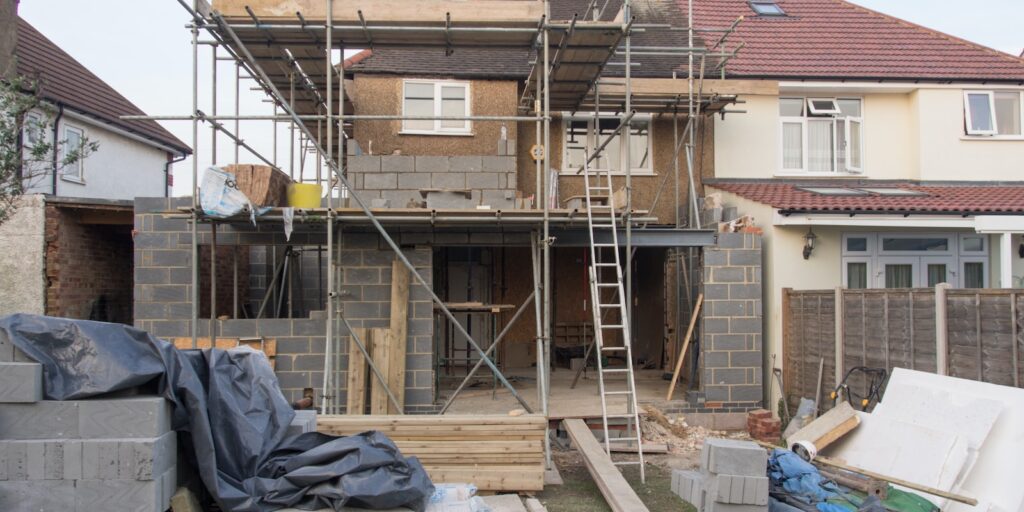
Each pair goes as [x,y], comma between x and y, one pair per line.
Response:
[292,58]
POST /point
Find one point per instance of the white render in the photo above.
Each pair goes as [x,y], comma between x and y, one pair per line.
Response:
[122,168]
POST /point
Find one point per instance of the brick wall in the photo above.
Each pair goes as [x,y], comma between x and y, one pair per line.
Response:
[88,268]
[163,298]
[731,331]
[399,179]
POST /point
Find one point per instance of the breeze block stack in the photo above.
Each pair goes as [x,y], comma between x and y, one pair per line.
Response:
[82,455]
[732,478]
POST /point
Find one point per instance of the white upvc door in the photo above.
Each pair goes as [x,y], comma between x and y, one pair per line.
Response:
[938,269]
[898,272]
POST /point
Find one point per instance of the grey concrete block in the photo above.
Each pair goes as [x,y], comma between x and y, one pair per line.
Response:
[733,457]
[483,180]
[21,382]
[16,455]
[380,203]
[124,417]
[39,495]
[467,163]
[364,163]
[121,495]
[397,163]
[499,163]
[3,460]
[402,198]
[712,506]
[72,451]
[502,147]
[413,181]
[432,164]
[40,420]
[383,180]
[168,486]
[511,147]
[445,200]
[738,490]
[147,459]
[304,421]
[35,460]
[448,180]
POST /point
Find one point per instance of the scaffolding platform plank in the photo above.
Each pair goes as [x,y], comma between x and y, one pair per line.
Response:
[616,490]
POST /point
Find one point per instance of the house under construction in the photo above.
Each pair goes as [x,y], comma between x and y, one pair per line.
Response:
[527,172]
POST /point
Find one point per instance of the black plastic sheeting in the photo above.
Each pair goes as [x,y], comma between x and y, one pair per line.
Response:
[228,408]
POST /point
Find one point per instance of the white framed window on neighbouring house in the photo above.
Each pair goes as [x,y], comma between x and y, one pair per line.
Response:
[436,98]
[32,129]
[993,113]
[912,260]
[584,133]
[821,135]
[72,141]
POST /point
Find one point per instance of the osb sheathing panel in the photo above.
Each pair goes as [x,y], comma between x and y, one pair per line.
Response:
[644,187]
[512,286]
[382,95]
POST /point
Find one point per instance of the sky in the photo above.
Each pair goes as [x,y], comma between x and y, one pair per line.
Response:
[142,49]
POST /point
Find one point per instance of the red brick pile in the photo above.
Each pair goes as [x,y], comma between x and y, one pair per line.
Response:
[763,427]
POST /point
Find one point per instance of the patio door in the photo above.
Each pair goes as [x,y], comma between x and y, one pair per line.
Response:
[937,269]
[898,272]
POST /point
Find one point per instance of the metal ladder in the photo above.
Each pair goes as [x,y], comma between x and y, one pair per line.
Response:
[601,220]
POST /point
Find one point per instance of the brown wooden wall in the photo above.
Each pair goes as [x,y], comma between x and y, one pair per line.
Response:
[897,329]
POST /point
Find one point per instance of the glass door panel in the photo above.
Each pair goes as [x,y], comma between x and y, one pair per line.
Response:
[937,270]
[898,272]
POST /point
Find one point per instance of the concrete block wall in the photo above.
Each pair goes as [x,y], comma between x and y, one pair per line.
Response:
[399,179]
[163,298]
[731,331]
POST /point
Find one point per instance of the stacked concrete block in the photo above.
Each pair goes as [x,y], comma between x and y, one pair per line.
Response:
[84,455]
[21,382]
[732,478]
[439,181]
[304,422]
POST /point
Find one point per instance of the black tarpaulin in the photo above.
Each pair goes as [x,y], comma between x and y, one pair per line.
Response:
[229,410]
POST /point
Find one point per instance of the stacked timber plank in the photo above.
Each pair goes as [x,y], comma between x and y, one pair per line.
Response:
[82,455]
[495,453]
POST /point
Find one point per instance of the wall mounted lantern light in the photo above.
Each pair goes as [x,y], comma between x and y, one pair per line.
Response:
[809,239]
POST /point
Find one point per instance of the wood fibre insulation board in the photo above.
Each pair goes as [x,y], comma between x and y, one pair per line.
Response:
[494,13]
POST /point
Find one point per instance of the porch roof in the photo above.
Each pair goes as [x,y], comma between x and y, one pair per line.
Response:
[880,196]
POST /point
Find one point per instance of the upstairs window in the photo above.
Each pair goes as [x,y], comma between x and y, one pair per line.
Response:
[766,8]
[993,113]
[821,135]
[73,138]
[583,134]
[441,98]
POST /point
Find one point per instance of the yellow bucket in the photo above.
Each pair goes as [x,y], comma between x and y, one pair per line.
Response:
[304,195]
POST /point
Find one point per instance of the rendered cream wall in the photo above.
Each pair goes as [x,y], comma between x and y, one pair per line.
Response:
[747,145]
[947,154]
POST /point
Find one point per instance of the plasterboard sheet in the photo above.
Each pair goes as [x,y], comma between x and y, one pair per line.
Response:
[967,416]
[903,450]
[995,478]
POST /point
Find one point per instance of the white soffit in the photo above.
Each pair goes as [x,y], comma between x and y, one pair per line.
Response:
[874,221]
[999,224]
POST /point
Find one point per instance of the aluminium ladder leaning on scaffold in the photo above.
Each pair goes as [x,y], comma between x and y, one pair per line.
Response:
[598,222]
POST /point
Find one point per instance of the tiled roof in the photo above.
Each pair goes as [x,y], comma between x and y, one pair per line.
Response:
[936,198]
[463,62]
[64,80]
[837,39]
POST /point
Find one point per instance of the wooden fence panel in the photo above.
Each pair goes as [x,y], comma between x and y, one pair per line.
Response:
[897,329]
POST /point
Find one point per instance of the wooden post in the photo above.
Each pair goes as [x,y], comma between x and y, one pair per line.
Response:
[787,346]
[1013,340]
[356,400]
[686,344]
[380,340]
[840,328]
[399,333]
[941,330]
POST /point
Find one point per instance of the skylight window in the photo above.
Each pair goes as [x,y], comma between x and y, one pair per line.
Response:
[766,8]
[834,191]
[894,192]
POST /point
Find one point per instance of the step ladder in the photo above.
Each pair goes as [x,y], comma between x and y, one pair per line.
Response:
[607,295]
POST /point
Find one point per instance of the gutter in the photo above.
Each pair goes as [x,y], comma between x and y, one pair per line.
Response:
[906,213]
[56,134]
[167,172]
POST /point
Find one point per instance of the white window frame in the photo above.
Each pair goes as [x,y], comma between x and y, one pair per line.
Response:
[842,167]
[969,124]
[466,129]
[828,111]
[869,264]
[962,277]
[78,177]
[32,119]
[594,139]
[876,258]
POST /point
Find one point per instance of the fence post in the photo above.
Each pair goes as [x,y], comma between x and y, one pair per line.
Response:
[839,321]
[941,330]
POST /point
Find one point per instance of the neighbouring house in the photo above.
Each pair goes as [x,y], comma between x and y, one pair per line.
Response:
[70,248]
[892,155]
